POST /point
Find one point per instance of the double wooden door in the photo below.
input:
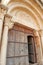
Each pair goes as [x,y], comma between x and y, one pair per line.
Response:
[17,49]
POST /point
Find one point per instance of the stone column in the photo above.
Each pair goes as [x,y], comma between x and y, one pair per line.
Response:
[41,38]
[5,39]
[3,10]
[38,46]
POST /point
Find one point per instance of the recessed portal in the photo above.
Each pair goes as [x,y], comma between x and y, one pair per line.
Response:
[20,48]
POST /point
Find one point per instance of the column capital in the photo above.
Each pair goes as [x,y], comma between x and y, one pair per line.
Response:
[8,22]
[41,30]
[8,16]
[36,33]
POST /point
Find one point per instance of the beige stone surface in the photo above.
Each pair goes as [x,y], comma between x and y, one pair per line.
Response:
[26,12]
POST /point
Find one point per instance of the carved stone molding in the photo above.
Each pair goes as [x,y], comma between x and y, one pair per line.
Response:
[40,2]
[8,21]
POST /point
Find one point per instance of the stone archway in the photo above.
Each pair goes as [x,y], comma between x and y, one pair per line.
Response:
[33,12]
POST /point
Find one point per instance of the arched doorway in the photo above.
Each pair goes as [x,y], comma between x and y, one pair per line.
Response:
[18,46]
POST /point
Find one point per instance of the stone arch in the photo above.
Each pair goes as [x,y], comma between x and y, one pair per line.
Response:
[21,6]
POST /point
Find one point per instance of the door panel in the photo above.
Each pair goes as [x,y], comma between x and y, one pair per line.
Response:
[11,49]
[25,49]
[10,61]
[17,61]
[22,49]
[22,60]
[27,60]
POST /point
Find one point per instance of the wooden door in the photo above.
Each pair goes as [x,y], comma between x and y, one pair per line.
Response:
[17,49]
[31,50]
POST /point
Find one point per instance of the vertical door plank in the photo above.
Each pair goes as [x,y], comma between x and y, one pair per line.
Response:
[25,38]
[17,52]
[17,36]
[21,37]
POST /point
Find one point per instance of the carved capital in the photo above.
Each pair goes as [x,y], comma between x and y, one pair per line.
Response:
[36,33]
[41,32]
[8,21]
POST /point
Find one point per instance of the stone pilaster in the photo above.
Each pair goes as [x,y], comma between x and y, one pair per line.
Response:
[41,38]
[38,46]
[41,35]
